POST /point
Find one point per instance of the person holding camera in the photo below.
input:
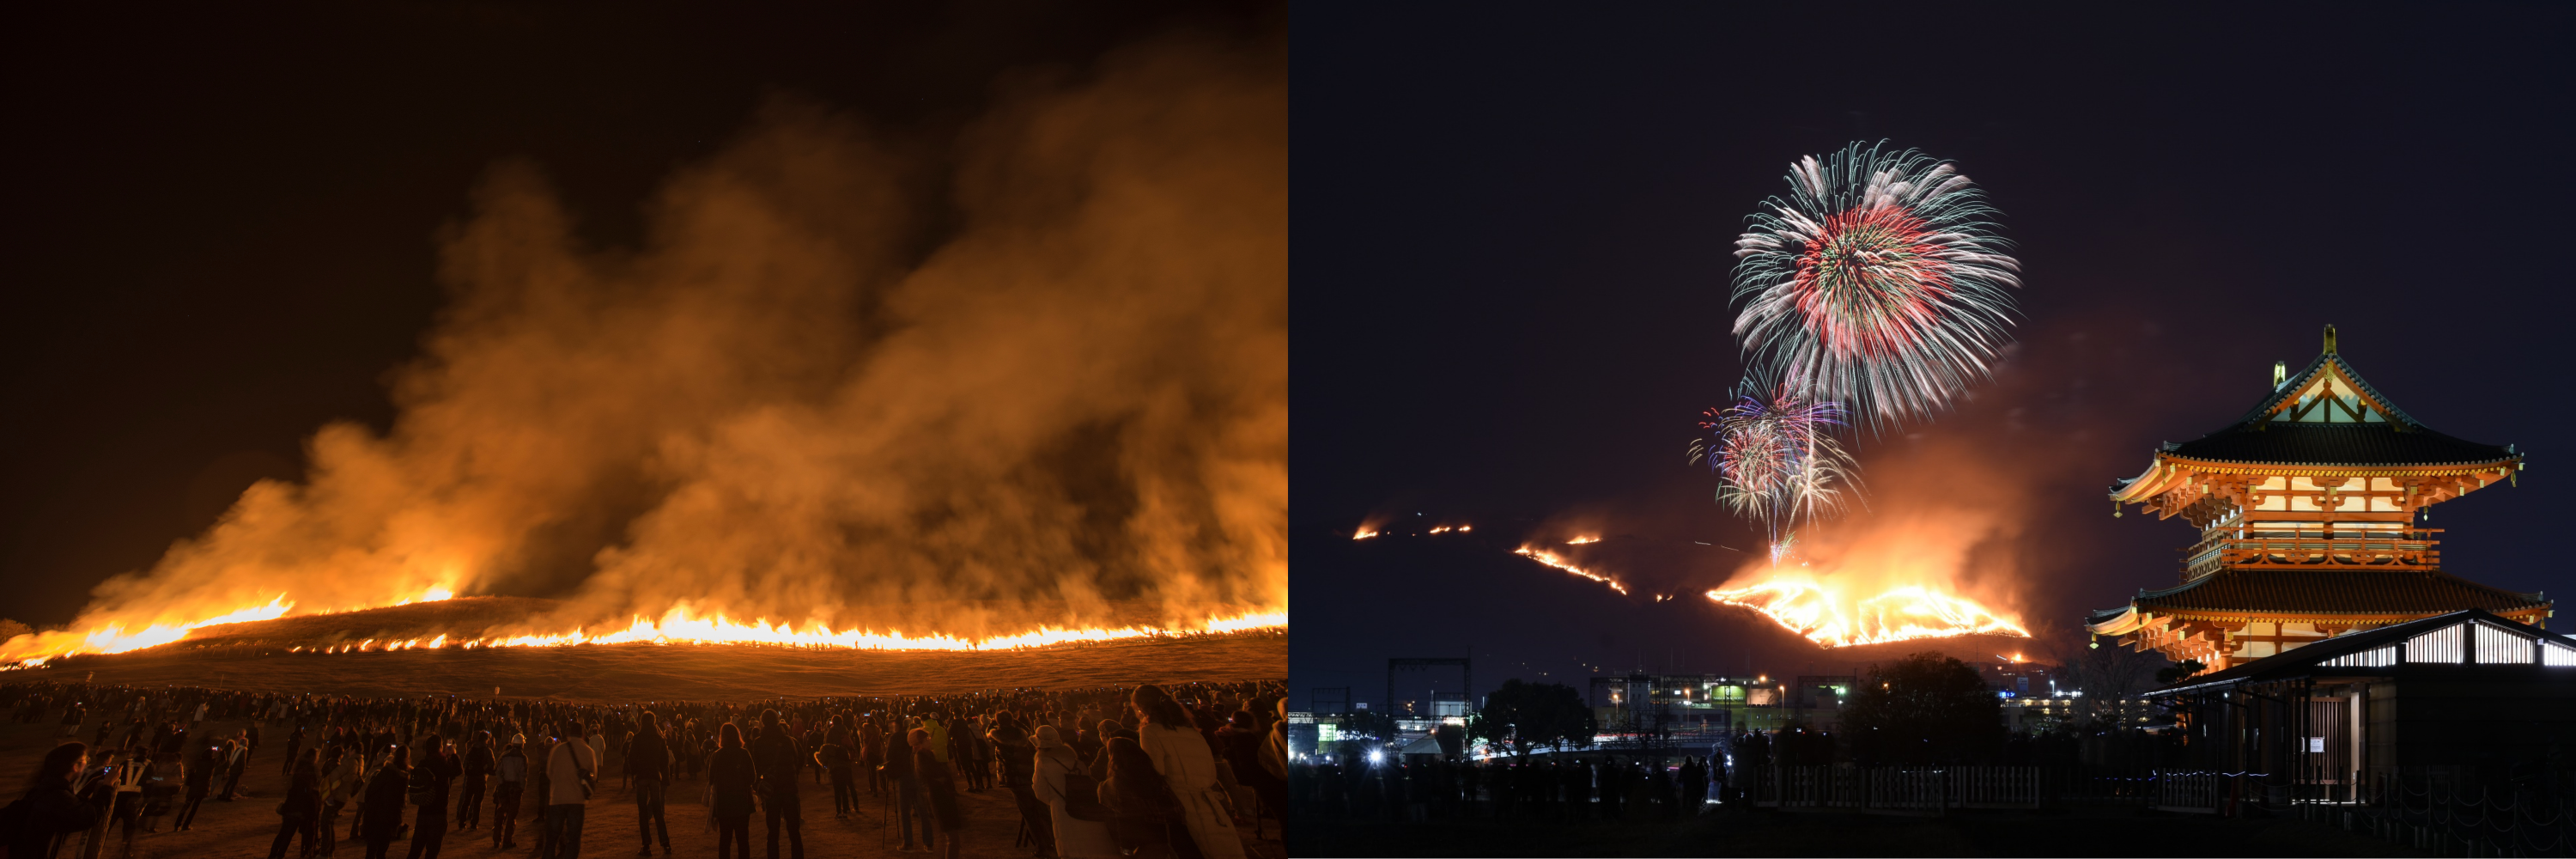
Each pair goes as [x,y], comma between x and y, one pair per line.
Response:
[59,801]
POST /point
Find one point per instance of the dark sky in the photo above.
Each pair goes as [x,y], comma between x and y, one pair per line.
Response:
[1511,250]
[220,223]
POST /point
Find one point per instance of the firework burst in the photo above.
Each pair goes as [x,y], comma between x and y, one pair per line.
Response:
[1776,459]
[1878,282]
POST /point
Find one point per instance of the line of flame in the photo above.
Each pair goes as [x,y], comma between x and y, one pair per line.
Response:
[682,626]
[1551,559]
[1898,614]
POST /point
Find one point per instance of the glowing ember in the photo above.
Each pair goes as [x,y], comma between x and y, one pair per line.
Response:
[1905,613]
[681,626]
[1551,559]
[1582,540]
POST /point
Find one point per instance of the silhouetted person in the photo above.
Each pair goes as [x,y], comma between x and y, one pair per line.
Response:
[732,773]
[939,784]
[301,813]
[430,780]
[570,771]
[1182,755]
[478,763]
[49,811]
[1057,767]
[381,811]
[199,778]
[509,791]
[780,758]
[648,761]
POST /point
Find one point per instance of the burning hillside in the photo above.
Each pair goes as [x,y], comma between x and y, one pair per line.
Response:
[1013,393]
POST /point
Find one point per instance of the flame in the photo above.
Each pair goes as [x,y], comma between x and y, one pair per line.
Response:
[1364,533]
[1902,613]
[1589,538]
[681,625]
[1551,559]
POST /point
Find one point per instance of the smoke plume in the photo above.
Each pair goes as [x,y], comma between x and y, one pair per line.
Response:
[1045,385]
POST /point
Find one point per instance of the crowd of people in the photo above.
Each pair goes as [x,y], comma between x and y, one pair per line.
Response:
[1148,770]
[1543,787]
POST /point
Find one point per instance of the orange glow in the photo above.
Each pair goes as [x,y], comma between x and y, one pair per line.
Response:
[1822,614]
[1583,539]
[681,625]
[1551,559]
[1364,533]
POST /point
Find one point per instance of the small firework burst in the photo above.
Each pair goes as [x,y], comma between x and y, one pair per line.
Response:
[1878,282]
[1776,459]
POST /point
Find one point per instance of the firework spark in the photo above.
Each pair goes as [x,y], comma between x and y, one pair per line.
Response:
[1878,282]
[1776,459]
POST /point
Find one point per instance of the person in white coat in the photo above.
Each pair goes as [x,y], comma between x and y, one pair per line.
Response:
[1182,755]
[1075,838]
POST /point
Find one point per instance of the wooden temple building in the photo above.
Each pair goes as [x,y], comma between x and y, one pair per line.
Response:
[2311,511]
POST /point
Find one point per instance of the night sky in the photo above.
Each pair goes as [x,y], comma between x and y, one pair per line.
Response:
[1511,255]
[222,223]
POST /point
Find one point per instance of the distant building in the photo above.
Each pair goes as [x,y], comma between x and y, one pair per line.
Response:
[2468,696]
[1710,704]
[2308,509]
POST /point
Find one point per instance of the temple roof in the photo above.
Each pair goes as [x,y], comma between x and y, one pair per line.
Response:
[2335,444]
[2340,591]
[2301,660]
[2324,416]
[2327,414]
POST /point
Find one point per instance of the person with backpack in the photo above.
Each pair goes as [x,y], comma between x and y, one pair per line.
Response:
[51,809]
[511,769]
[834,759]
[570,772]
[429,786]
[1079,822]
[236,759]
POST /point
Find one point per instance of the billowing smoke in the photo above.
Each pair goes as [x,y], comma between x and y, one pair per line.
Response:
[1045,385]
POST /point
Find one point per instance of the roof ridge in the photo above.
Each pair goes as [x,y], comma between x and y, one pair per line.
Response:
[2292,386]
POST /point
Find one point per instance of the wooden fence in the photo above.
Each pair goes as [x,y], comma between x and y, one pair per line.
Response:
[1895,790]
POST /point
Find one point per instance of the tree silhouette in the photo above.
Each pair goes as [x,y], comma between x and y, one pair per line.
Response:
[1523,717]
[1927,708]
[2185,668]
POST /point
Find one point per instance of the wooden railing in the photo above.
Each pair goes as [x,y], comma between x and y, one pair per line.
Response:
[1895,790]
[2405,548]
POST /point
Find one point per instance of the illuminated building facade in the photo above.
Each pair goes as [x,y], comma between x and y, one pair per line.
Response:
[2310,510]
[1709,704]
